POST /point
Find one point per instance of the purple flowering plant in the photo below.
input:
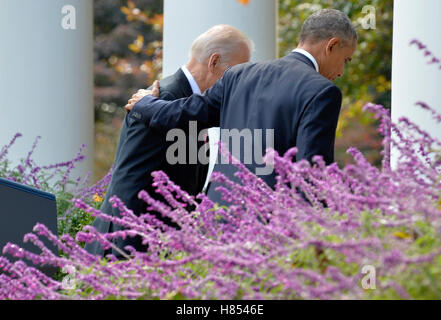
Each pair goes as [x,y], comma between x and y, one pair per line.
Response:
[358,232]
[270,243]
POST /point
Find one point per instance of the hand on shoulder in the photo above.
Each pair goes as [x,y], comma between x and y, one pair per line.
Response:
[141,94]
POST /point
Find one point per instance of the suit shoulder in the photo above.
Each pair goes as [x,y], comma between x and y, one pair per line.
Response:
[323,84]
[330,88]
[175,86]
[251,70]
[256,65]
[168,82]
[240,68]
[169,88]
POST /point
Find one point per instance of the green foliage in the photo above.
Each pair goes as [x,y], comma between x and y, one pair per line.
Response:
[70,219]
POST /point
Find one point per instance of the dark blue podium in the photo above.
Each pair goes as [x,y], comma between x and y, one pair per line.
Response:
[21,208]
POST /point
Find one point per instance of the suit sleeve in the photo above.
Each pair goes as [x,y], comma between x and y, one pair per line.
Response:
[167,115]
[318,125]
[166,95]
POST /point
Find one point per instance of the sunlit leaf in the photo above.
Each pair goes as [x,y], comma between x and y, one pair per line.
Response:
[244,2]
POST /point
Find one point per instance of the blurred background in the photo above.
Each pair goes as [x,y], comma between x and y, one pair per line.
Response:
[128,56]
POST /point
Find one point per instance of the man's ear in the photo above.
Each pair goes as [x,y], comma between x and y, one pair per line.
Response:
[214,62]
[331,45]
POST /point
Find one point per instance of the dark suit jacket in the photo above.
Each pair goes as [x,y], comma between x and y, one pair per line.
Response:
[141,150]
[286,95]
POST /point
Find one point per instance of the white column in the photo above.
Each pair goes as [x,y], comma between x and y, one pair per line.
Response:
[185,20]
[413,79]
[46,78]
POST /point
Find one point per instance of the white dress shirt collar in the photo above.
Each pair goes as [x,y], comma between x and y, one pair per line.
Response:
[194,85]
[309,56]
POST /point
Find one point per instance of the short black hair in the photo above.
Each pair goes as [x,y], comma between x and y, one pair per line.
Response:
[328,23]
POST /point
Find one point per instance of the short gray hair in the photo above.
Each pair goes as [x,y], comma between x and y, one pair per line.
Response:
[222,39]
[327,24]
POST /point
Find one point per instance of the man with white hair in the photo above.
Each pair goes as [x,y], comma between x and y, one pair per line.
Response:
[142,150]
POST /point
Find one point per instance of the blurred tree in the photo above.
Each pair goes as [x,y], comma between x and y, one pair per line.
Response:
[120,51]
[127,55]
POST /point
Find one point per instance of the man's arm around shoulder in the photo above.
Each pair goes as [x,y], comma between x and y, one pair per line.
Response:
[162,114]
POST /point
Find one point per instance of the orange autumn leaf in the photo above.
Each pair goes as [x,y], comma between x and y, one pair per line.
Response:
[157,19]
[137,45]
[244,2]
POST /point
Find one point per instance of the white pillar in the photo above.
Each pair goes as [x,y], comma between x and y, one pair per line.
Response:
[413,79]
[185,20]
[46,78]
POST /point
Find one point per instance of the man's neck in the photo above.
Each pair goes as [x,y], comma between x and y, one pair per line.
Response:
[313,51]
[198,73]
